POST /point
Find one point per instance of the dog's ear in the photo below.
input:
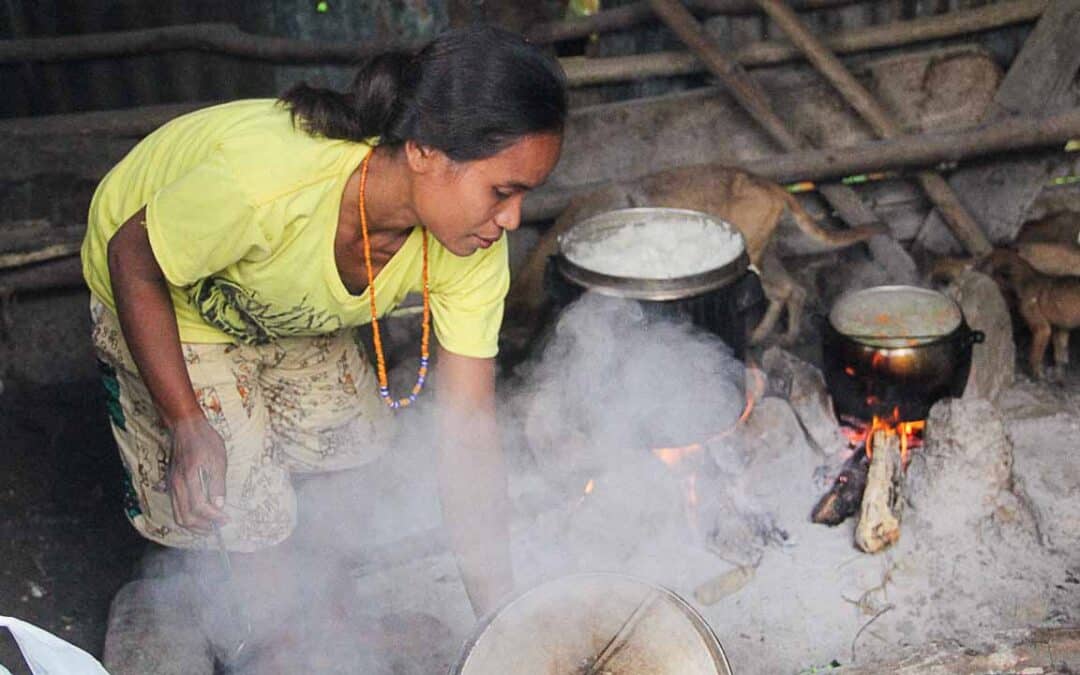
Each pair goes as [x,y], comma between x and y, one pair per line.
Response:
[946,270]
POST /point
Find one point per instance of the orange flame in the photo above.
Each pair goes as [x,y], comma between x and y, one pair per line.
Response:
[894,425]
[672,456]
[589,486]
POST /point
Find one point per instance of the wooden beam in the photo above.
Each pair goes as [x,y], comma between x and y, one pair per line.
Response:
[583,71]
[892,34]
[842,198]
[903,152]
[961,223]
[221,38]
[1040,81]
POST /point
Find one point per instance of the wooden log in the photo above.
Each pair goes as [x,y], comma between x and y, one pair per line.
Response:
[904,152]
[846,494]
[45,276]
[1043,651]
[1041,80]
[882,503]
[959,220]
[131,122]
[583,71]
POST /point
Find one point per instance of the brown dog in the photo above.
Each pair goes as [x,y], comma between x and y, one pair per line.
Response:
[752,204]
[1051,244]
[1050,306]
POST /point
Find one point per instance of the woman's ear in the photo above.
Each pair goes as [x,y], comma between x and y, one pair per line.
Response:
[422,158]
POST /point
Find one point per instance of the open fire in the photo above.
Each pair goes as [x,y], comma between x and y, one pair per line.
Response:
[861,434]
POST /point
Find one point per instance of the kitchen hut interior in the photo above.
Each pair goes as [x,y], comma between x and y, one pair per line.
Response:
[784,374]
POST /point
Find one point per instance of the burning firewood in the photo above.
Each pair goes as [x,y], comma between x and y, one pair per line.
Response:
[879,516]
[843,499]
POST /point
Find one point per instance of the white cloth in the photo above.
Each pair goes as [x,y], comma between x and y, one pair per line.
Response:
[47,654]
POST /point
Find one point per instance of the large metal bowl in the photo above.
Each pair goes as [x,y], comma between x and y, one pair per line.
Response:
[594,623]
[601,226]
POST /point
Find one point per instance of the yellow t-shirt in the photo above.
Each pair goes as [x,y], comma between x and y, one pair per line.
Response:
[242,210]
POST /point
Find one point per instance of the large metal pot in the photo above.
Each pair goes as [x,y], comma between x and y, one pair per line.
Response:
[594,623]
[727,299]
[895,351]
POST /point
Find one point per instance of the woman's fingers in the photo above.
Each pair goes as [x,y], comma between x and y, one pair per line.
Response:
[201,482]
[197,484]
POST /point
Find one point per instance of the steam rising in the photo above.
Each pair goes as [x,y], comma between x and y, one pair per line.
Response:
[366,583]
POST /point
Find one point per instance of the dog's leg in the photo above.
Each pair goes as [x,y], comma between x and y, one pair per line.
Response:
[776,284]
[768,321]
[1061,352]
[1040,340]
[795,303]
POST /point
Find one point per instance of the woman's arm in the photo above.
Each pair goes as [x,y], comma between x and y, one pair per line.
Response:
[472,478]
[148,321]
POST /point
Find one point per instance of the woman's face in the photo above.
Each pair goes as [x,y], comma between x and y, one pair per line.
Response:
[468,205]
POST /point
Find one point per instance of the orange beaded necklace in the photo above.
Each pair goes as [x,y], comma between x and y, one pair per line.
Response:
[425,334]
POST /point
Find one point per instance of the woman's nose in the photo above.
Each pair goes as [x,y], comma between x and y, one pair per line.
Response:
[509,216]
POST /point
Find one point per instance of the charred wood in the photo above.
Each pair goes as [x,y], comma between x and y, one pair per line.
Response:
[844,497]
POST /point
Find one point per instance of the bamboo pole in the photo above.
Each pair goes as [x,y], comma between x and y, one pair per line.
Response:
[897,154]
[960,222]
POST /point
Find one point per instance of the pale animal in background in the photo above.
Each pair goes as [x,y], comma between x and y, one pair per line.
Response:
[1049,305]
[751,203]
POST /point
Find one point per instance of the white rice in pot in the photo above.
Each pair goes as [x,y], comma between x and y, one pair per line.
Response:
[656,247]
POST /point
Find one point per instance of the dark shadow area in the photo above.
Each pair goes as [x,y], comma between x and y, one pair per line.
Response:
[65,543]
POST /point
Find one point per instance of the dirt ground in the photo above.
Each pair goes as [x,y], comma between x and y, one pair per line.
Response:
[65,545]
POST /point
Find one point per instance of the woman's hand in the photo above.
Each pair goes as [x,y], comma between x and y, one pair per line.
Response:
[197,474]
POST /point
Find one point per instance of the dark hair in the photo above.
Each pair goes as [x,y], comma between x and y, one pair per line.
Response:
[470,92]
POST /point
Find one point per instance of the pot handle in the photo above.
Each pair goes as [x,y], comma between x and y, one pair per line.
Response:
[976,337]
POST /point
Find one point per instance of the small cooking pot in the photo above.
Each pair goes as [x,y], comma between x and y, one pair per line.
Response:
[896,350]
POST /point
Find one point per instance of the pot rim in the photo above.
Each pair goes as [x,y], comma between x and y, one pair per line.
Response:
[886,342]
[641,288]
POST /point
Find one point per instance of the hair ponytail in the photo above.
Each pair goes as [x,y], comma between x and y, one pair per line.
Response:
[369,108]
[470,92]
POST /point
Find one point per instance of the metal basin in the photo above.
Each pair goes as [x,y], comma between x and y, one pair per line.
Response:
[594,623]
